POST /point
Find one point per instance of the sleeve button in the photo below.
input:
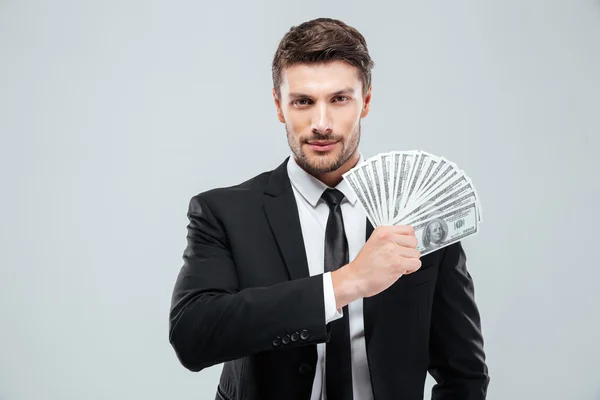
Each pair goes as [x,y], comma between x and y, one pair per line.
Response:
[286,339]
[304,334]
[277,342]
[295,337]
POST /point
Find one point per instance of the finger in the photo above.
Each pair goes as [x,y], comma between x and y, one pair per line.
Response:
[405,241]
[403,229]
[409,252]
[412,265]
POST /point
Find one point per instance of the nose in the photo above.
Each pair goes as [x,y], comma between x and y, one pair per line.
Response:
[321,121]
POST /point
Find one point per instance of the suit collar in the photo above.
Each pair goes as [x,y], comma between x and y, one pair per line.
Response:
[278,181]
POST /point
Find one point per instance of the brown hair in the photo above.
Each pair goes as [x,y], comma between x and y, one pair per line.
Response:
[322,40]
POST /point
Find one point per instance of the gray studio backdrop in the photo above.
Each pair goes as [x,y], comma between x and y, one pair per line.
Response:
[113,114]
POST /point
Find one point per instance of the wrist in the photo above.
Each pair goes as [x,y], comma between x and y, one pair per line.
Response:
[346,286]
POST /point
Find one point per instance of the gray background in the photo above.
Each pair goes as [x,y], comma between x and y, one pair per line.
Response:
[113,114]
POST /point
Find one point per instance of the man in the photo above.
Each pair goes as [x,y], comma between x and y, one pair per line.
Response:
[285,281]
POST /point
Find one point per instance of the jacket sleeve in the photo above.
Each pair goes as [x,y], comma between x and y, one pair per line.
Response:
[457,359]
[212,321]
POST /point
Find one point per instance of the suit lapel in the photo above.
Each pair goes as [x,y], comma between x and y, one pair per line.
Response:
[369,303]
[282,214]
[370,307]
[369,231]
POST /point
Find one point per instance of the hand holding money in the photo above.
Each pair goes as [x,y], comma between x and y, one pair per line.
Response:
[388,254]
[421,190]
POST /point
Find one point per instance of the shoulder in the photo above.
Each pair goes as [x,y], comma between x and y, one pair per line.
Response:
[242,193]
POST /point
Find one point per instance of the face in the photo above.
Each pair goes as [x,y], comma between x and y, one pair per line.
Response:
[436,232]
[321,106]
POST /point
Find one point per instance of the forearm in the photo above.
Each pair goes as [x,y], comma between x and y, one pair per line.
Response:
[207,328]
[456,340]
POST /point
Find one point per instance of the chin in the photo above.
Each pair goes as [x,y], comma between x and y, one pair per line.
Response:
[323,162]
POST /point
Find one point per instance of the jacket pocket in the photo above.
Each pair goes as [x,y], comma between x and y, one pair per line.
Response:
[422,275]
[221,395]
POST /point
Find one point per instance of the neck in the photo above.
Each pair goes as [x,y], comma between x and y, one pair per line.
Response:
[332,178]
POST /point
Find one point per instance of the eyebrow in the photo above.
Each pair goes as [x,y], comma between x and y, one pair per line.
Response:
[347,90]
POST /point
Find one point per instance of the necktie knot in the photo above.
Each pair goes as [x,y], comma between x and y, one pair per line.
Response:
[332,197]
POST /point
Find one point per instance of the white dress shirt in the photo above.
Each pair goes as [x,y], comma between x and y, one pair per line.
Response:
[313,214]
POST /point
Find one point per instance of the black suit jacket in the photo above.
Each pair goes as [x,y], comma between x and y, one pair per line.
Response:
[244,298]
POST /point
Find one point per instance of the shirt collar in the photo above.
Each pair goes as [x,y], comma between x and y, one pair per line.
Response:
[311,188]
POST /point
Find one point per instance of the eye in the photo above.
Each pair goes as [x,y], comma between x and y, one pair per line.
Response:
[341,98]
[301,102]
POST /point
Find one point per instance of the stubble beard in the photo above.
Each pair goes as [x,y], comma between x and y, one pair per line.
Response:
[322,164]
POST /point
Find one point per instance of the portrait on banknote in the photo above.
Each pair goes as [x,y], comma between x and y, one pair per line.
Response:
[435,233]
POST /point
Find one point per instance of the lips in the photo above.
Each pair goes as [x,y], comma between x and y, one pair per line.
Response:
[321,146]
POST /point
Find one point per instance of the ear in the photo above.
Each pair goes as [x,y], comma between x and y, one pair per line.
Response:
[367,103]
[278,106]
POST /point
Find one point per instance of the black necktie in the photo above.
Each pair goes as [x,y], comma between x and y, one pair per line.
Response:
[338,364]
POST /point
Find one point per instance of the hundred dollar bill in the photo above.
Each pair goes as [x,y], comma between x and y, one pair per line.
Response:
[361,194]
[443,206]
[415,177]
[428,180]
[361,181]
[414,174]
[365,175]
[376,172]
[402,179]
[385,175]
[458,188]
[374,168]
[450,186]
[439,199]
[393,173]
[411,187]
[428,168]
[399,158]
[446,229]
[450,172]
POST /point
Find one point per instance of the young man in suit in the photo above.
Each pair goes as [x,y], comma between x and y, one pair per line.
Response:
[287,283]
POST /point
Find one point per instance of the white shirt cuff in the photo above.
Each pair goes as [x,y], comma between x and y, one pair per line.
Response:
[331,314]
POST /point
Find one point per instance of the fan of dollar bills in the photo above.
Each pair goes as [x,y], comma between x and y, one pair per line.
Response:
[420,189]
